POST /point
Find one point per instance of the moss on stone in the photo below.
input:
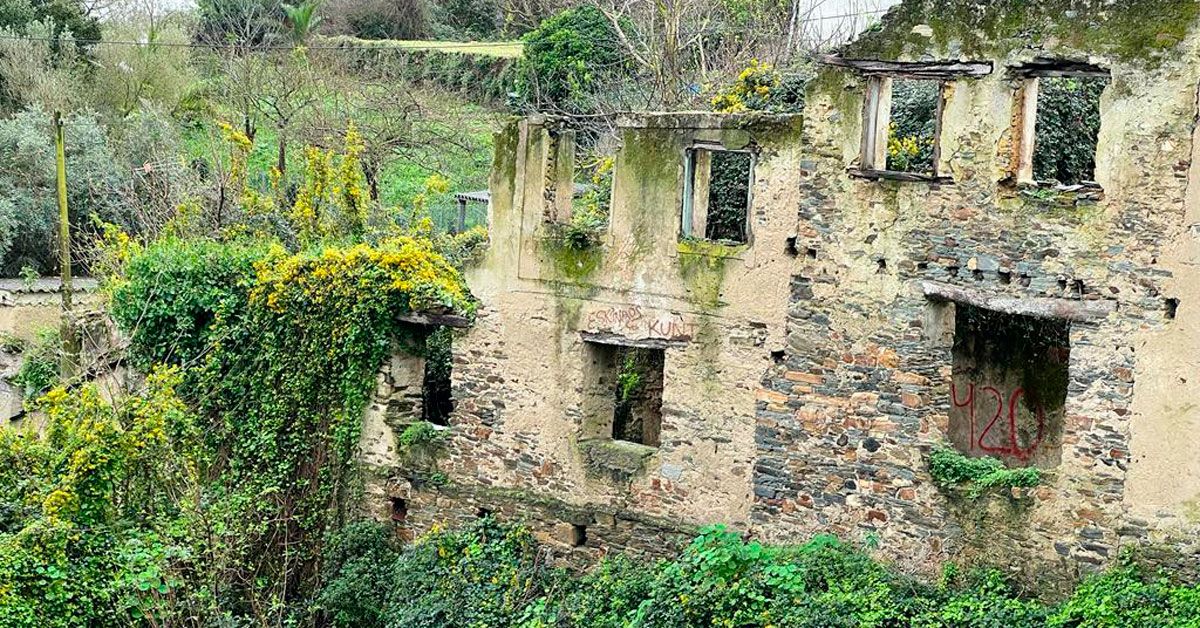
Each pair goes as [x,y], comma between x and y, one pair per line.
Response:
[702,267]
[1134,30]
[571,263]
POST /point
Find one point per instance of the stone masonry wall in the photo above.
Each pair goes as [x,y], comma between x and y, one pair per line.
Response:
[863,395]
[808,374]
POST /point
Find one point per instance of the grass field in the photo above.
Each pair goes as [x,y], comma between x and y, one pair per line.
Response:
[503,49]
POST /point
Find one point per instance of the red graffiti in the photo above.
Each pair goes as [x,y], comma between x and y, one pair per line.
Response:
[1001,446]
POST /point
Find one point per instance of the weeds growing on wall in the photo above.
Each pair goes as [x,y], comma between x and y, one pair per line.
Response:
[590,211]
[490,574]
[977,476]
[760,87]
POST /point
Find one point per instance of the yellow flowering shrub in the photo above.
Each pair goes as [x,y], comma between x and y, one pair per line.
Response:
[334,198]
[403,267]
[751,90]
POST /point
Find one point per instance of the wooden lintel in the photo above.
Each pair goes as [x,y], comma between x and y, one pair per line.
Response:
[1057,68]
[933,70]
[608,338]
[434,319]
[893,175]
[1037,307]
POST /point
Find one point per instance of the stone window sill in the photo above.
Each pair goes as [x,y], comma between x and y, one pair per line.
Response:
[615,460]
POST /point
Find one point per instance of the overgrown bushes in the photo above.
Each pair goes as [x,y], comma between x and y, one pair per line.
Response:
[496,575]
[567,59]
[486,78]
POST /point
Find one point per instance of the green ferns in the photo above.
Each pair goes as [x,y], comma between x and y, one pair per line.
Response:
[952,470]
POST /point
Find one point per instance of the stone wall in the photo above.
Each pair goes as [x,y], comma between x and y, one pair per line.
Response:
[521,438]
[864,392]
[809,373]
[28,307]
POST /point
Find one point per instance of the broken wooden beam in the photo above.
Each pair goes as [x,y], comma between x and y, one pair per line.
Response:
[435,319]
[1043,67]
[913,69]
[1037,307]
[895,175]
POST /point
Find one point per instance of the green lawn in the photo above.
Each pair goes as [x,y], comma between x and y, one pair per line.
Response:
[504,49]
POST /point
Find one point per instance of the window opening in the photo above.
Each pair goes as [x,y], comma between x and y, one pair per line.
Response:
[624,393]
[902,126]
[436,393]
[1009,385]
[1067,128]
[399,510]
[578,535]
[912,125]
[717,195]
[637,409]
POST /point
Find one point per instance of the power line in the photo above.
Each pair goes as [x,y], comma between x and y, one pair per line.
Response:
[447,46]
[365,44]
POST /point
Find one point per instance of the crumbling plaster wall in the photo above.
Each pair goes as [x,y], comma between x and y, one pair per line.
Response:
[863,393]
[518,438]
[1164,477]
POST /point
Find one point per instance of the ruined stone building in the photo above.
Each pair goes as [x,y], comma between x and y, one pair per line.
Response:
[785,362]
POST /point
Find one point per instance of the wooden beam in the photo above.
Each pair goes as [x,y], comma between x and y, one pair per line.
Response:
[913,69]
[435,319]
[894,175]
[1057,67]
[1037,307]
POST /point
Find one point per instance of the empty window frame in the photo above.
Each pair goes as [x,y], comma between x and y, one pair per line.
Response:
[717,194]
[437,398]
[902,125]
[1060,125]
[624,392]
[1009,385]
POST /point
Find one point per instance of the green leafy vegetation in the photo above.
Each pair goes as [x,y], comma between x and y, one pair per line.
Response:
[729,197]
[913,124]
[567,59]
[590,210]
[39,363]
[760,87]
[978,476]
[491,574]
[1068,128]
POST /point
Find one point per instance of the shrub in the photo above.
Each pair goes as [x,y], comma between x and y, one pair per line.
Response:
[1127,596]
[568,58]
[1068,124]
[469,19]
[381,19]
[174,292]
[760,87]
[359,563]
[28,186]
[484,575]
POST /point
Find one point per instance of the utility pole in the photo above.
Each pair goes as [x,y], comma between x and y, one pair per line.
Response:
[69,362]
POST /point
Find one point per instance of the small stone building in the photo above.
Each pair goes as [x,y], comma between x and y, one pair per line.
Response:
[786,315]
